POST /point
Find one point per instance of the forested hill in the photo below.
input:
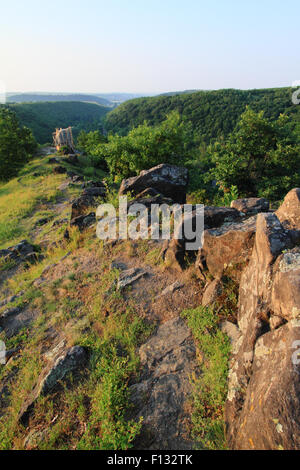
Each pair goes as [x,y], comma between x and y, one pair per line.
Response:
[212,113]
[43,118]
[36,98]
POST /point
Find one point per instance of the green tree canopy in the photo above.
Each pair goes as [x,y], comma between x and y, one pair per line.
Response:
[261,157]
[16,144]
[146,146]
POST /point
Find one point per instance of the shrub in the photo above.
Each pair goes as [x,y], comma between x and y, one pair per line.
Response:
[16,144]
[145,147]
[261,157]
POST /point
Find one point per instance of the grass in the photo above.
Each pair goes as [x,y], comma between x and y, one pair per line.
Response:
[90,410]
[210,389]
[20,197]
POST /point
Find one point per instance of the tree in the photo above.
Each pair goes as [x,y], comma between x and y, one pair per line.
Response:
[89,141]
[17,144]
[261,157]
[146,146]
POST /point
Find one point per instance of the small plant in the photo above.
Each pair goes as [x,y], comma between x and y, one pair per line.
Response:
[210,389]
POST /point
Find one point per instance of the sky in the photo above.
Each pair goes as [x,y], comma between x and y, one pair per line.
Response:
[148,46]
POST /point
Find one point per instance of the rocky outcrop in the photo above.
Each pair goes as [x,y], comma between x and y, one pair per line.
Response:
[211,292]
[251,205]
[148,197]
[67,362]
[23,251]
[262,409]
[129,276]
[289,212]
[227,246]
[92,191]
[169,180]
[167,360]
[84,221]
[61,363]
[209,217]
[216,216]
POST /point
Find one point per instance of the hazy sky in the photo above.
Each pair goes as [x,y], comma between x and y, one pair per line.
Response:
[148,45]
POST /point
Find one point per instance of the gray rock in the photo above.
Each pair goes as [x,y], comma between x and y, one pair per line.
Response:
[251,205]
[211,292]
[231,330]
[66,363]
[170,289]
[169,180]
[95,192]
[17,252]
[34,438]
[129,276]
[11,299]
[84,221]
[167,360]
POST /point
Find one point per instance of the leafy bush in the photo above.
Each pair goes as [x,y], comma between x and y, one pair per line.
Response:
[145,147]
[88,142]
[261,157]
[16,144]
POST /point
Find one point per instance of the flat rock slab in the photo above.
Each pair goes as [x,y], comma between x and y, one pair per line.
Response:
[171,289]
[167,360]
[129,276]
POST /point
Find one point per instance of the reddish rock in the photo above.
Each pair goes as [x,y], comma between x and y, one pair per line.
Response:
[227,246]
[251,205]
[270,417]
[261,374]
[211,293]
[289,212]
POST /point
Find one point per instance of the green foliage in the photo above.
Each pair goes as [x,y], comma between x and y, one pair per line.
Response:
[88,142]
[210,388]
[146,146]
[261,157]
[226,198]
[16,144]
[44,118]
[212,114]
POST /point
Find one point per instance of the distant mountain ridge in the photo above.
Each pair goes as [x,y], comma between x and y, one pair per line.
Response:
[44,117]
[36,97]
[212,114]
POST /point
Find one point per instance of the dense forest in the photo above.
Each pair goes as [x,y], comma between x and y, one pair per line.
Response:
[43,118]
[212,113]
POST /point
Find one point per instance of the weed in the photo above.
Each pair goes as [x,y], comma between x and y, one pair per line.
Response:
[210,389]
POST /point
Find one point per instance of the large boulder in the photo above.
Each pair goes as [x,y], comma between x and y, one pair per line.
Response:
[251,205]
[227,246]
[199,220]
[270,416]
[263,387]
[289,211]
[169,180]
